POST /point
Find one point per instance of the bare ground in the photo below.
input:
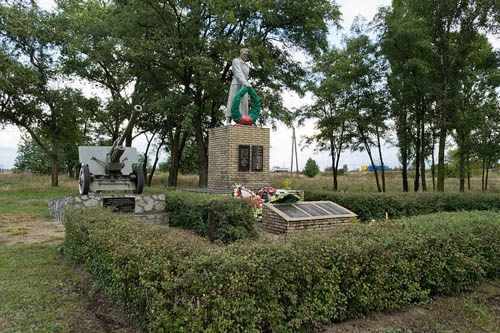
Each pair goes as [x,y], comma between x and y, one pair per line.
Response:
[21,228]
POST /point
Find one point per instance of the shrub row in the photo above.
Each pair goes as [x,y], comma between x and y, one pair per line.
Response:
[175,282]
[220,218]
[374,206]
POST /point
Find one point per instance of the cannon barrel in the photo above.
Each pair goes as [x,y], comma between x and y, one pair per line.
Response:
[117,149]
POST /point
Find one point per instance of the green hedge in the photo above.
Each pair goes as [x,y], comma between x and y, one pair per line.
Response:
[220,218]
[374,206]
[175,282]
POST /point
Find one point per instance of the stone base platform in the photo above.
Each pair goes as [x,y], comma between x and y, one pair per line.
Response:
[318,216]
[238,154]
[147,207]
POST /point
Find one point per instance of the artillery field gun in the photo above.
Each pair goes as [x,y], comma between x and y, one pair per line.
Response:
[111,168]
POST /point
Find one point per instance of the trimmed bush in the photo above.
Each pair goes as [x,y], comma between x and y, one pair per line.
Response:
[220,218]
[172,281]
[374,206]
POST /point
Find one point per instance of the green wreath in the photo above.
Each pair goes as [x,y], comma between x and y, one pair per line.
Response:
[235,106]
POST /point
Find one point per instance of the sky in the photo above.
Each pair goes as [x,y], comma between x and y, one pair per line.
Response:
[281,138]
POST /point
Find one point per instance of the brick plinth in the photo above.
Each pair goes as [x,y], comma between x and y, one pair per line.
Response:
[276,223]
[223,154]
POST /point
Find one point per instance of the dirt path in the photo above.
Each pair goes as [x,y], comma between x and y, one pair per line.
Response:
[29,228]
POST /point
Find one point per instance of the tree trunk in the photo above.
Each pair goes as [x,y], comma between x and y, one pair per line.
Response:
[150,177]
[483,178]
[381,160]
[367,147]
[176,150]
[468,173]
[433,166]
[422,154]
[487,173]
[202,151]
[404,162]
[334,169]
[145,164]
[441,151]
[416,183]
[54,170]
[461,171]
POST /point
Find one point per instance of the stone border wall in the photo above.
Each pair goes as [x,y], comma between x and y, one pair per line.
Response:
[149,208]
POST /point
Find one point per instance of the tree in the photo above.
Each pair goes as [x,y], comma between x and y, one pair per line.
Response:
[365,94]
[453,26]
[184,52]
[486,140]
[90,50]
[31,158]
[53,116]
[330,108]
[479,79]
[311,169]
[406,44]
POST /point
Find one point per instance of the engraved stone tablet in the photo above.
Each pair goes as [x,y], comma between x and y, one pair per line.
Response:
[257,158]
[312,210]
[120,205]
[291,211]
[334,210]
[244,158]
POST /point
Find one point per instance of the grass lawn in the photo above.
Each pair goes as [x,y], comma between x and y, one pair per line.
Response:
[41,291]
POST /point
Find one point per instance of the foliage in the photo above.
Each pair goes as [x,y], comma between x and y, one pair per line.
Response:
[171,281]
[31,158]
[53,114]
[374,206]
[220,218]
[311,168]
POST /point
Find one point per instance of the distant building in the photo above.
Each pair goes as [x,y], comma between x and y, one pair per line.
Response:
[370,168]
[278,169]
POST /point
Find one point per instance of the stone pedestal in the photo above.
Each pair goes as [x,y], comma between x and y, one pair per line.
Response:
[238,154]
[149,208]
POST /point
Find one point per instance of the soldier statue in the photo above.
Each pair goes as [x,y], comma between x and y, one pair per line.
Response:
[240,76]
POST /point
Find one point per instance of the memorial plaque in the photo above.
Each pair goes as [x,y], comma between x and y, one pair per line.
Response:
[120,205]
[244,158]
[291,211]
[257,158]
[312,210]
[333,209]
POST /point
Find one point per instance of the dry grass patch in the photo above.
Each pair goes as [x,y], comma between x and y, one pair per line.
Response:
[29,228]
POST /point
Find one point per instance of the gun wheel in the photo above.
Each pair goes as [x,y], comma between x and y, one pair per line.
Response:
[139,180]
[84,179]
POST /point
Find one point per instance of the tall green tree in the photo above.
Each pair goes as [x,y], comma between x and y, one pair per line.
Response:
[478,80]
[191,44]
[366,95]
[330,107]
[30,95]
[406,43]
[486,140]
[91,51]
[453,26]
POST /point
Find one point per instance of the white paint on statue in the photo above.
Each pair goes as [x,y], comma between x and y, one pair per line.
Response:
[240,75]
